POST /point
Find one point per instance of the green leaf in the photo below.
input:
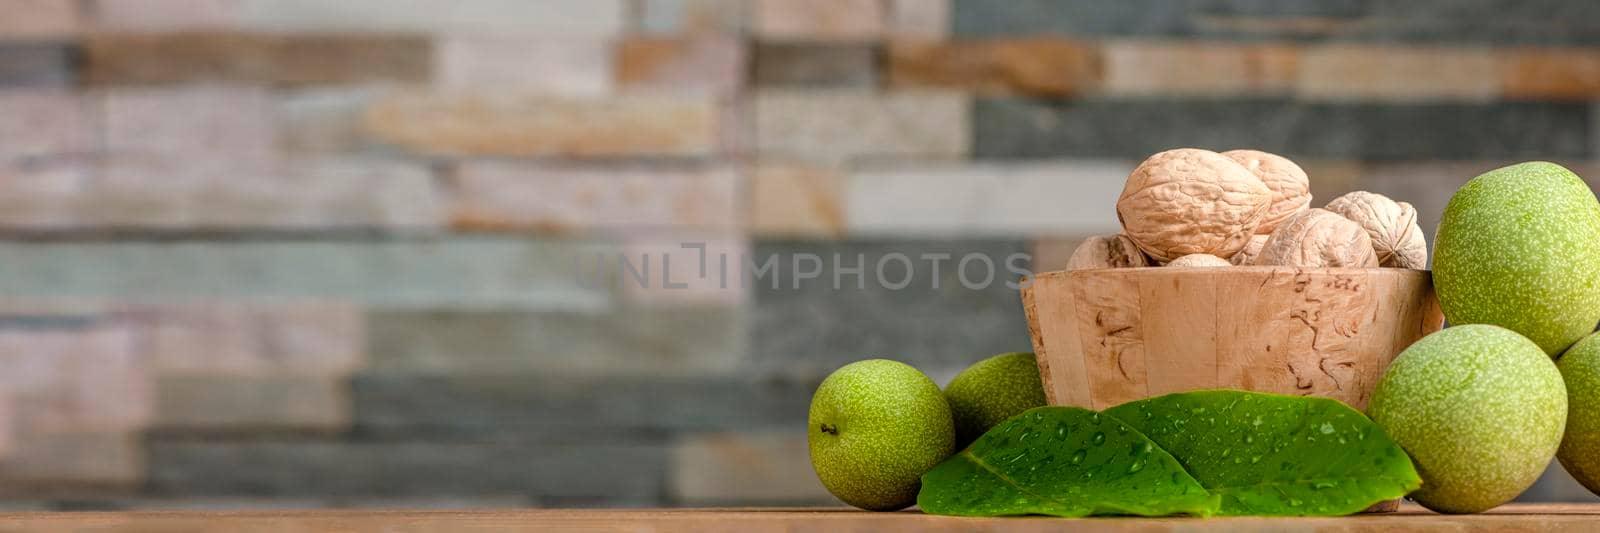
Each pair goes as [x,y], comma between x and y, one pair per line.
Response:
[1268,454]
[1062,461]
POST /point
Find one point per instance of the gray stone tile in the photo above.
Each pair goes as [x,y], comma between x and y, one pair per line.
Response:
[256,403]
[421,272]
[780,64]
[1557,485]
[1428,185]
[545,408]
[930,320]
[1495,21]
[1137,128]
[28,64]
[1076,17]
[322,468]
[655,341]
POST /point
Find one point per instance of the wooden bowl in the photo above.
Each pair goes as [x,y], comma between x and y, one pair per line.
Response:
[1104,337]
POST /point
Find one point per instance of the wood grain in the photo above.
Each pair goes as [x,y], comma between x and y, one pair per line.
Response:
[1514,517]
[1109,336]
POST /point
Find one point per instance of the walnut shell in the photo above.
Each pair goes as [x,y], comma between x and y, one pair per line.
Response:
[1191,201]
[1318,238]
[1199,260]
[1107,251]
[1291,189]
[1247,256]
[1392,225]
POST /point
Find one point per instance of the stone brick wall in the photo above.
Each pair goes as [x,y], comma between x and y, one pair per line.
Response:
[266,253]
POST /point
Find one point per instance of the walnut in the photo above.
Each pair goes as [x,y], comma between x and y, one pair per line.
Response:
[1199,260]
[1247,256]
[1318,238]
[1291,189]
[1107,251]
[1392,225]
[1191,201]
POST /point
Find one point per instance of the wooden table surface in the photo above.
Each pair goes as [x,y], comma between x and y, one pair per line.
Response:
[1515,517]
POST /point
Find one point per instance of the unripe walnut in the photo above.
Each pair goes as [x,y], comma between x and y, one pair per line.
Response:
[1191,201]
[1199,260]
[1107,251]
[1247,256]
[1291,189]
[1318,238]
[1392,225]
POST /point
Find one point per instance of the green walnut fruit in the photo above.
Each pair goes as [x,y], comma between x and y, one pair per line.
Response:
[1479,408]
[1580,448]
[1518,248]
[991,391]
[876,427]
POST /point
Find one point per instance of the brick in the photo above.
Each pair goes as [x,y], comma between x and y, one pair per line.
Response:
[927,19]
[213,120]
[573,66]
[73,374]
[171,58]
[843,124]
[322,120]
[535,406]
[763,467]
[904,310]
[94,458]
[210,403]
[688,270]
[1039,66]
[790,199]
[554,17]
[436,273]
[169,194]
[557,198]
[817,20]
[165,15]
[1549,73]
[678,17]
[530,125]
[301,468]
[36,65]
[816,64]
[1375,72]
[996,199]
[280,339]
[38,19]
[1136,128]
[697,64]
[1136,67]
[38,122]
[680,341]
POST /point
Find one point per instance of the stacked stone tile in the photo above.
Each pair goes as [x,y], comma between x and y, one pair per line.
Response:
[299,252]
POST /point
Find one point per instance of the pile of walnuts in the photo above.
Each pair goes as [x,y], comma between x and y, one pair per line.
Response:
[1197,208]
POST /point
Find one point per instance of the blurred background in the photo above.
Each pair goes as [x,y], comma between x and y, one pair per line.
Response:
[307,253]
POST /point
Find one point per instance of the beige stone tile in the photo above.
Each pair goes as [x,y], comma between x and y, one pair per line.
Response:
[843,125]
[818,20]
[1397,73]
[565,198]
[1134,67]
[538,125]
[796,200]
